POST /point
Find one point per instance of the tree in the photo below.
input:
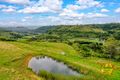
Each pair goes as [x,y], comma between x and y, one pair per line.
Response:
[111,47]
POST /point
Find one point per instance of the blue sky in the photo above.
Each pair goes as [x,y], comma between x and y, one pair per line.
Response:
[57,12]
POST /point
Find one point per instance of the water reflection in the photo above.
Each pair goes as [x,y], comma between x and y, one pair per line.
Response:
[50,65]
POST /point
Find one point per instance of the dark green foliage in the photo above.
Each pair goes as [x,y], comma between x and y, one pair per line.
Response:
[88,40]
[53,76]
[112,47]
[117,35]
[43,29]
[10,36]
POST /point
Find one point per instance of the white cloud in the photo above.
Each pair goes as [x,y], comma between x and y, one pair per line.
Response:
[34,10]
[71,14]
[72,20]
[55,5]
[23,20]
[9,9]
[43,6]
[117,10]
[28,17]
[89,3]
[104,10]
[71,10]
[2,6]
[96,15]
[76,7]
[84,4]
[59,20]
[75,15]
[17,1]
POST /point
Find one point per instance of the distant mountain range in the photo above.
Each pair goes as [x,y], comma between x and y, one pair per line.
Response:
[89,27]
[16,29]
[44,29]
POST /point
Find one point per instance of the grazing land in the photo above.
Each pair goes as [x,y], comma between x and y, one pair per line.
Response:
[91,50]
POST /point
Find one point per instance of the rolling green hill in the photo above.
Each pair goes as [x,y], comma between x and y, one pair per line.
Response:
[14,57]
[16,29]
[91,50]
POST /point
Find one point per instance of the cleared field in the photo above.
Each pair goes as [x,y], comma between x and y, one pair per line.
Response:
[14,57]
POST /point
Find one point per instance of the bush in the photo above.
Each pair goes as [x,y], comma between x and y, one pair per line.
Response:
[53,76]
[6,39]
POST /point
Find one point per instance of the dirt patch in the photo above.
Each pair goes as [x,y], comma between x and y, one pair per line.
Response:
[27,59]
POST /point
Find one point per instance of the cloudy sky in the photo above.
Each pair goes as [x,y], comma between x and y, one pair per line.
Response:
[56,12]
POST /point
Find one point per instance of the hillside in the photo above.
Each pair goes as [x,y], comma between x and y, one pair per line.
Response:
[88,28]
[90,40]
[17,29]
[14,65]
[43,29]
[91,50]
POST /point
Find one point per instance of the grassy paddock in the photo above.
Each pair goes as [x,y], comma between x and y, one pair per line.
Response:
[14,57]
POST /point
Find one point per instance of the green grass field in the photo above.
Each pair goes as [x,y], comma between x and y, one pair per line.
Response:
[14,57]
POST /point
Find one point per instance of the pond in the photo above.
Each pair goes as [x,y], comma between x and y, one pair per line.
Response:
[50,65]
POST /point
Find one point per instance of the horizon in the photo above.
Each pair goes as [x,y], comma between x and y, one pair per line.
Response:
[38,26]
[58,12]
